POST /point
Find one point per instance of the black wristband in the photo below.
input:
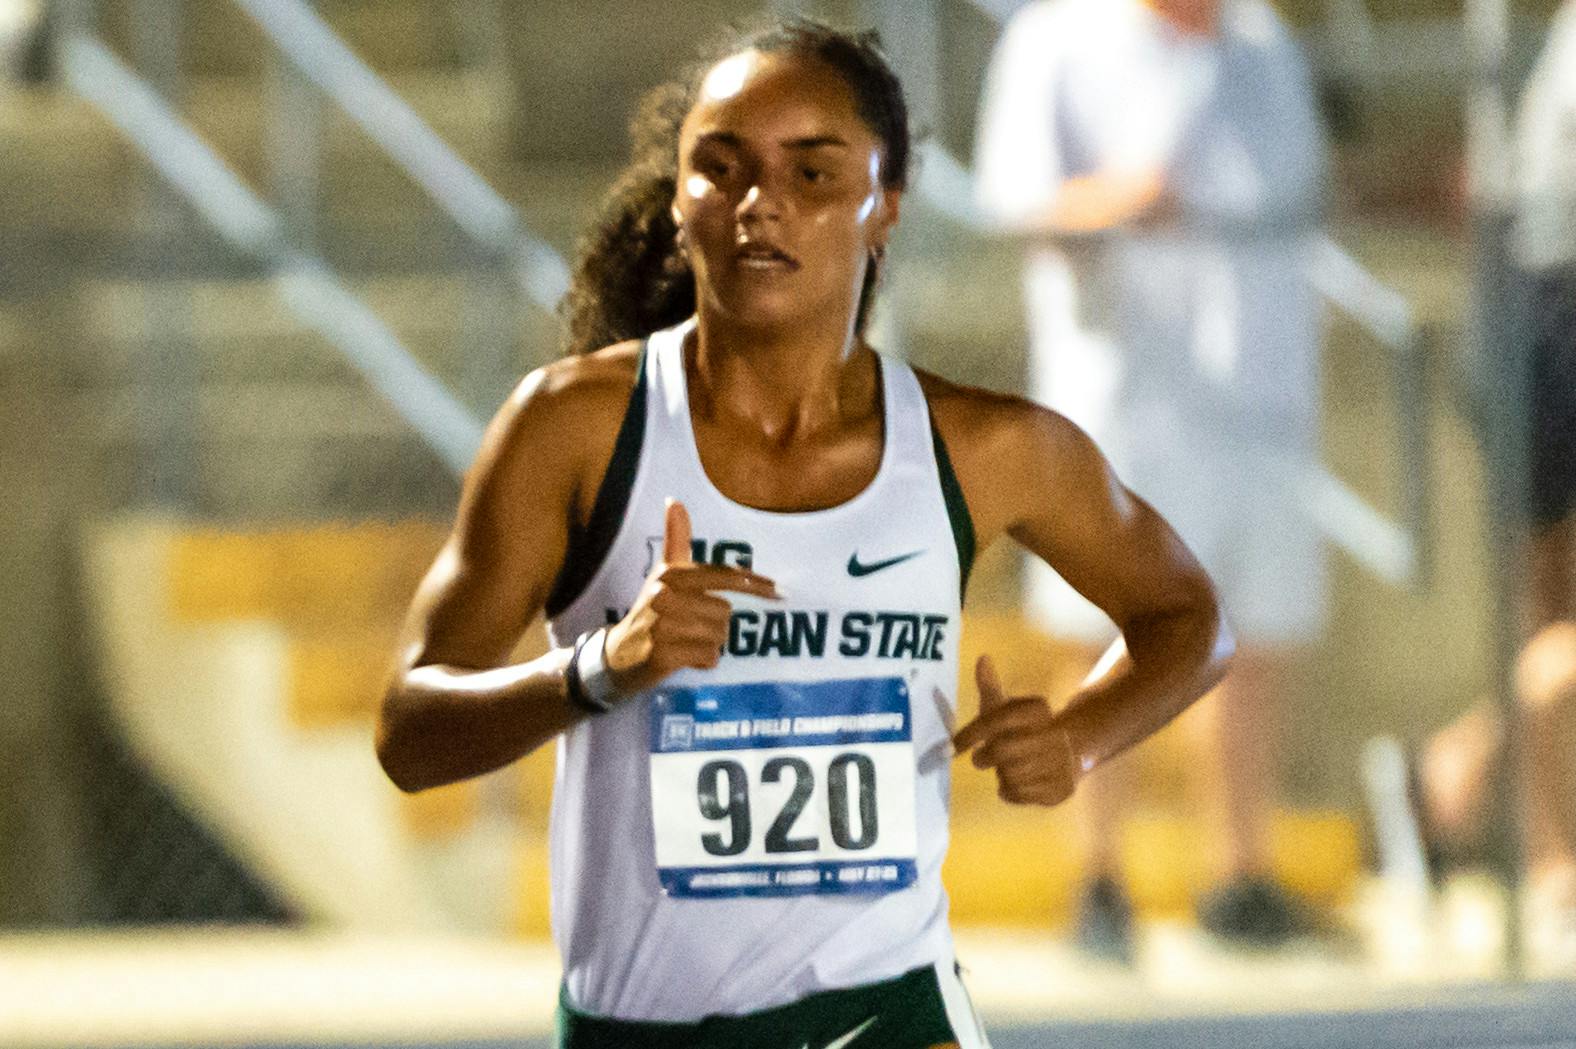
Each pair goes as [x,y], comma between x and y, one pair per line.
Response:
[576,688]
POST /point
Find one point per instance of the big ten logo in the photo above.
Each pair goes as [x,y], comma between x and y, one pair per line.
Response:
[678,731]
[730,553]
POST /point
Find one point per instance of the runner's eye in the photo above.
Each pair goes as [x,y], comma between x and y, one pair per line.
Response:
[714,168]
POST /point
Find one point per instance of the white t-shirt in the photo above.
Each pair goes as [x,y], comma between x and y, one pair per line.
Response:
[1132,326]
[1546,152]
[1191,353]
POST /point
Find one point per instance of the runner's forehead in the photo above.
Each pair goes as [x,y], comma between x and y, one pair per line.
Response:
[781,100]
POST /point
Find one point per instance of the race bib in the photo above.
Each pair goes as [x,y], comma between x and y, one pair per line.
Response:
[783,788]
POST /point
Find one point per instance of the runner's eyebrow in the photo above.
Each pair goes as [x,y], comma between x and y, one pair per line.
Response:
[729,138]
[816,142]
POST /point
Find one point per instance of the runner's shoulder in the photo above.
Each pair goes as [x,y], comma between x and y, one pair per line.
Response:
[568,410]
[598,382]
[984,426]
[1007,451]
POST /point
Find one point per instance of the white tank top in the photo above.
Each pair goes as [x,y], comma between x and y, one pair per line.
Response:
[738,838]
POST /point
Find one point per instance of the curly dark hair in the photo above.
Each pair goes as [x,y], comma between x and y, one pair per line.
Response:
[629,277]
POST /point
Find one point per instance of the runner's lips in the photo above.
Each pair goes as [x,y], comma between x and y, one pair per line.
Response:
[761,252]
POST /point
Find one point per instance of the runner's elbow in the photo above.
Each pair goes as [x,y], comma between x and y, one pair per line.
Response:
[400,761]
[1218,644]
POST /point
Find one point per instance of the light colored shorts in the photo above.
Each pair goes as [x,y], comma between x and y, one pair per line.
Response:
[1232,495]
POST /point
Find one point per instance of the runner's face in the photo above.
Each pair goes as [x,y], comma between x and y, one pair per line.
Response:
[779,191]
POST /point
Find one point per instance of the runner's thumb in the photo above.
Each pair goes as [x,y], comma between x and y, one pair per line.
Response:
[676,534]
[991,694]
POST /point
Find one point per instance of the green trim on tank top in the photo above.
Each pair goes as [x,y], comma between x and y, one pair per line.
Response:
[957,510]
[589,546]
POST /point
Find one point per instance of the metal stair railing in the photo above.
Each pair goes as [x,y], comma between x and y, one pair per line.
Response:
[316,297]
[323,58]
[307,287]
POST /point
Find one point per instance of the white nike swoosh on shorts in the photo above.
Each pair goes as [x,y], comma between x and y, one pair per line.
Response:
[847,1039]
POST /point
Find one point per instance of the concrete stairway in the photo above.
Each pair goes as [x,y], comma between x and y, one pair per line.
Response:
[282,428]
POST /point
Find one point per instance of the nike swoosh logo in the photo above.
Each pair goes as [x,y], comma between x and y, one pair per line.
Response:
[847,1039]
[856,569]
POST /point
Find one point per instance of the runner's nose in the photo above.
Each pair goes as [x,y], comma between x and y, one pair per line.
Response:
[760,202]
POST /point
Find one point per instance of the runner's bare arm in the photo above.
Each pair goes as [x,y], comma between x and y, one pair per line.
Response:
[454,707]
[1029,473]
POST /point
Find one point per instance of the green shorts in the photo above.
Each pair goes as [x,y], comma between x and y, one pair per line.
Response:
[906,1012]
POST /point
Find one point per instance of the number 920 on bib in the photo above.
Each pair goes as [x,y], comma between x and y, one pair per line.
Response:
[783,788]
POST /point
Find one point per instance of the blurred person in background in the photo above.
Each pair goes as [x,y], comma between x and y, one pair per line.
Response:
[1162,161]
[1458,766]
[721,427]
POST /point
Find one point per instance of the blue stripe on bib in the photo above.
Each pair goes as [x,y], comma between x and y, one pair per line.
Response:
[780,714]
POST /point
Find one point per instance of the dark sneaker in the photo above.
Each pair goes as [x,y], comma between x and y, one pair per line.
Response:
[1105,921]
[1252,911]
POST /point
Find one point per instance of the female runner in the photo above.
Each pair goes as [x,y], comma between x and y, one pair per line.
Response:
[750,534]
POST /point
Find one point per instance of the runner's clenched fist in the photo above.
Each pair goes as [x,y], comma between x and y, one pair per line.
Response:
[677,620]
[1021,738]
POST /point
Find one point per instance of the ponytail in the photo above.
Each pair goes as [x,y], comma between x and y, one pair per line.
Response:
[629,278]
